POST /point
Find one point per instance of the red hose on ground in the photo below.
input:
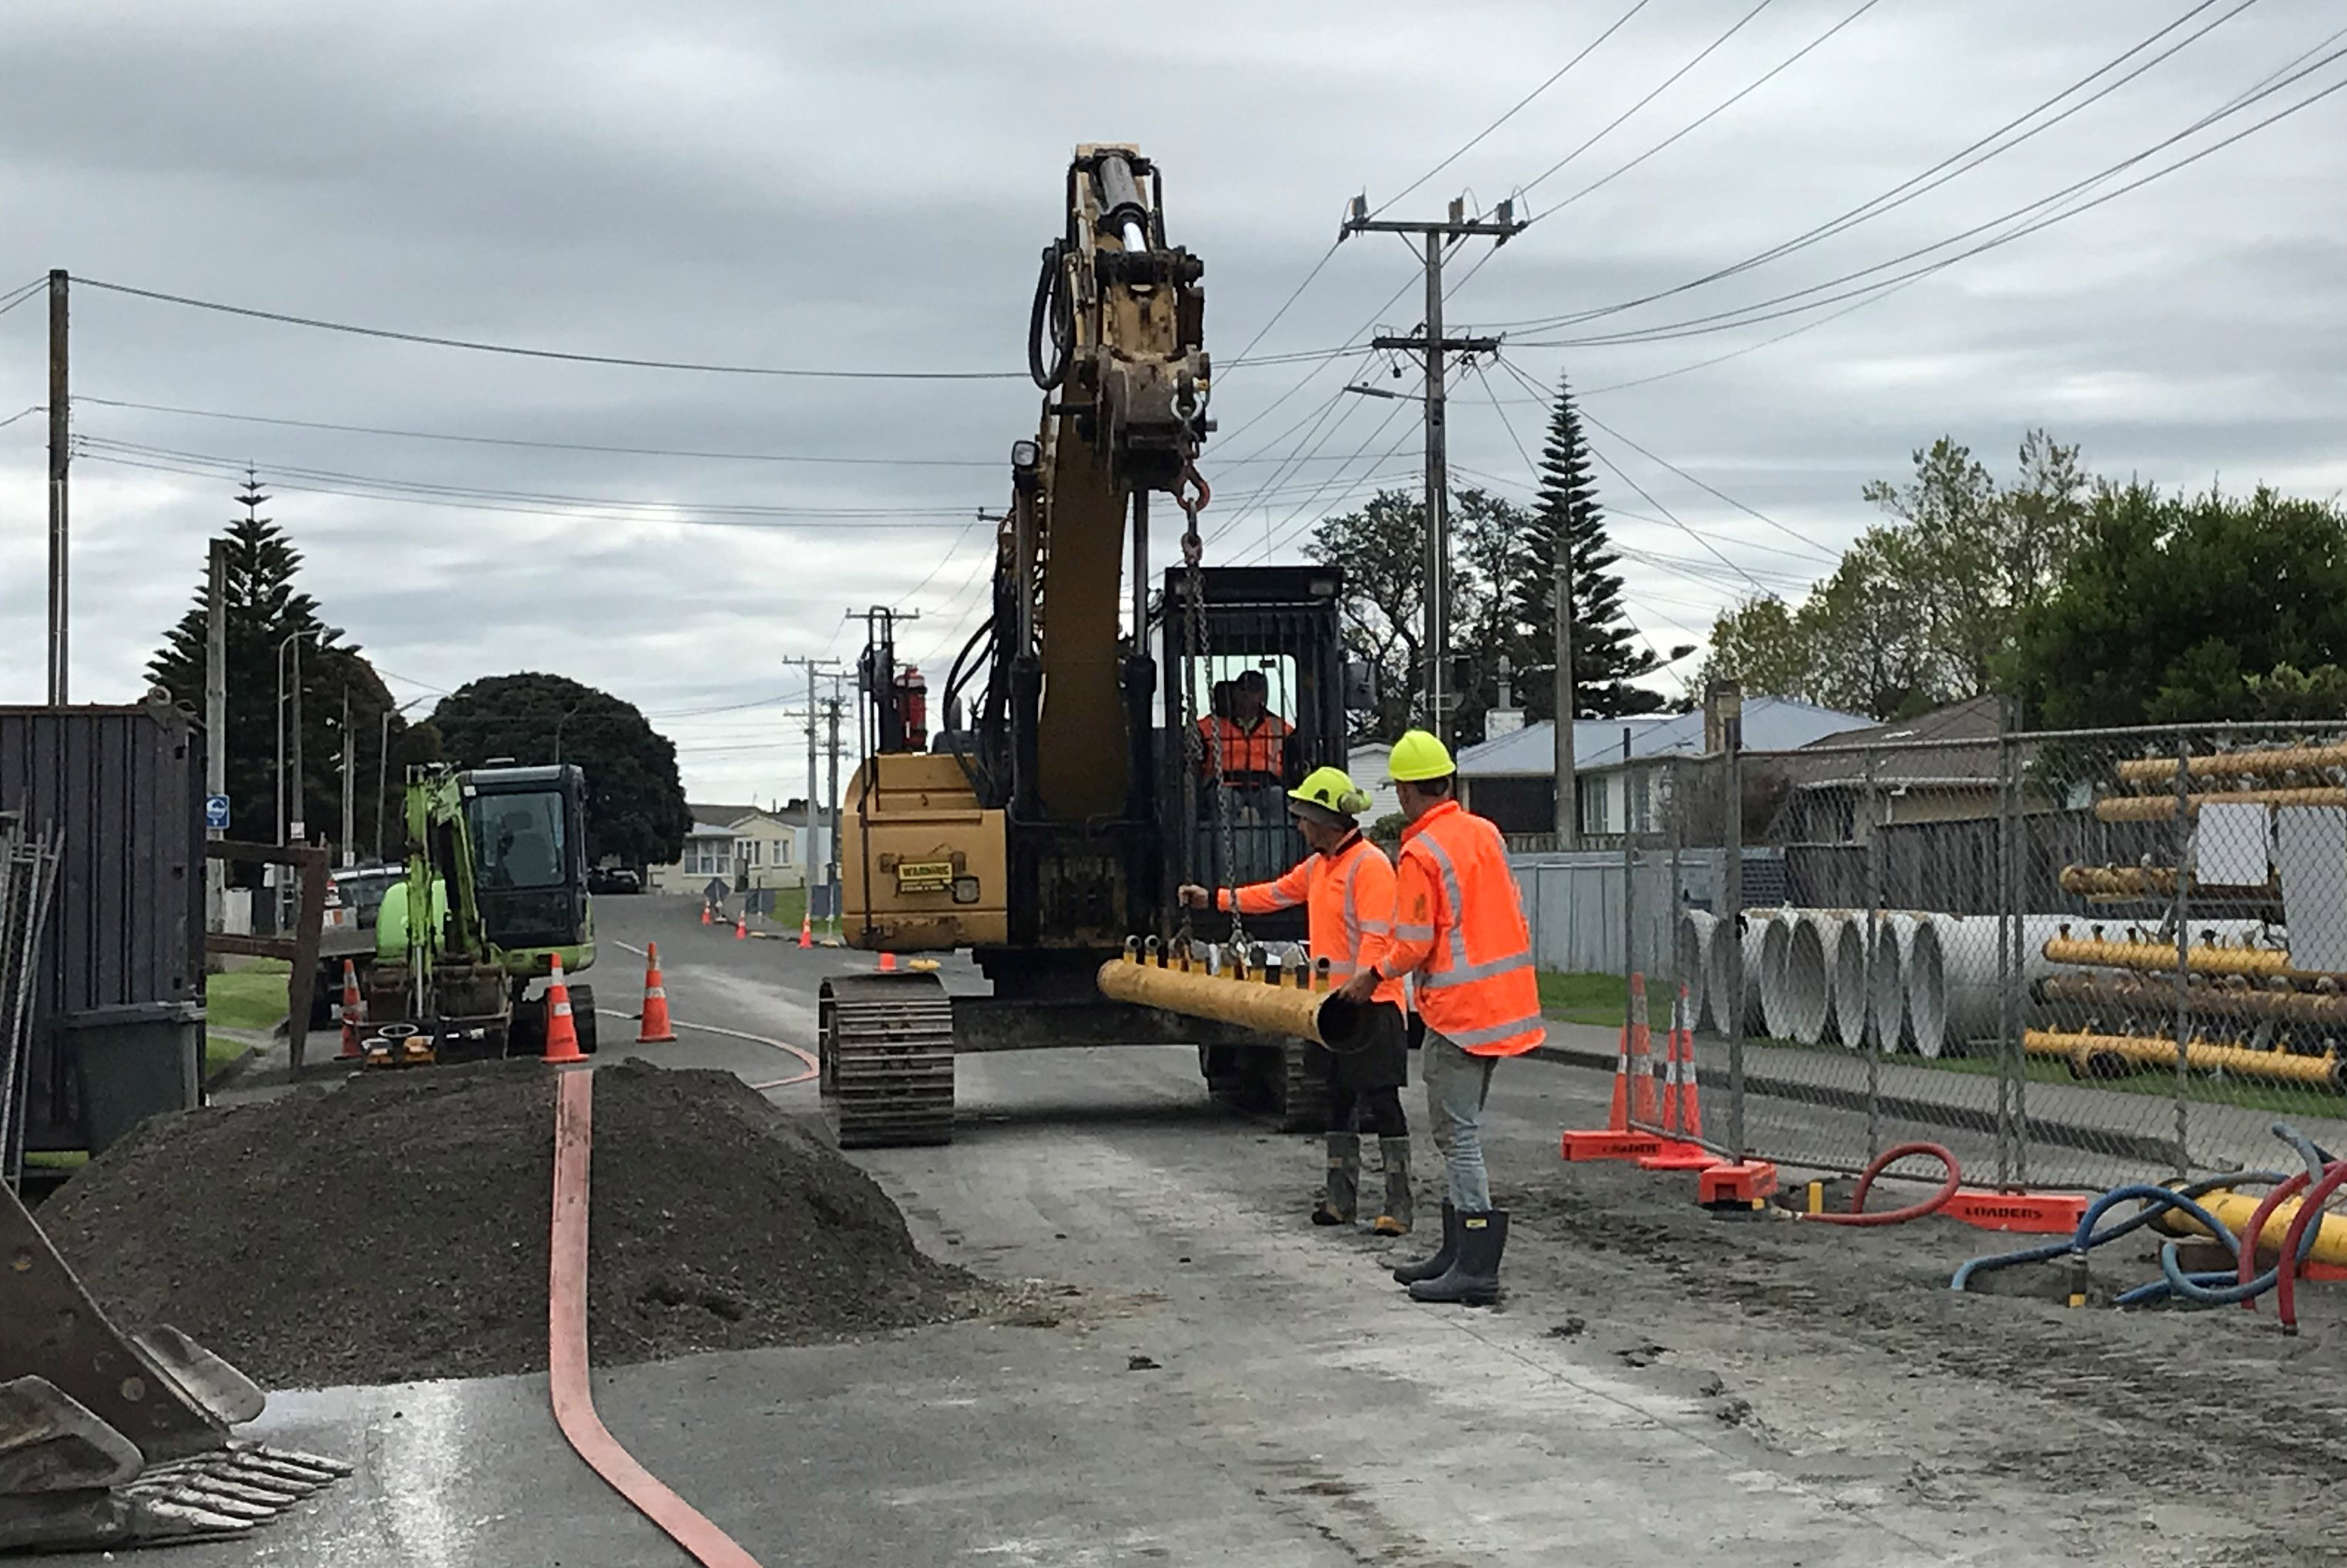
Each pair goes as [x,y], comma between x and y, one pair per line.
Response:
[1915,1211]
[2308,1212]
[2276,1195]
[566,1344]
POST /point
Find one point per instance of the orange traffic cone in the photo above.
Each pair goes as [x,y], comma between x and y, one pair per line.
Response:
[1671,1065]
[888,963]
[1642,1056]
[561,1033]
[741,928]
[353,1010]
[704,915]
[1690,1098]
[1617,1116]
[656,1030]
[807,930]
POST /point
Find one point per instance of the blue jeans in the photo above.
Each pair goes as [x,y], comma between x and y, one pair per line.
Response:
[1457,1085]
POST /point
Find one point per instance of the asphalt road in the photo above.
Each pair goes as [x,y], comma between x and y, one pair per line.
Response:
[1211,1379]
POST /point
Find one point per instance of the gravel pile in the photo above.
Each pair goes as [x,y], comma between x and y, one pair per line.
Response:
[396,1227]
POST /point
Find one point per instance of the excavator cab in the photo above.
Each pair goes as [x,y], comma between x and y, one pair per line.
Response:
[528,828]
[1254,700]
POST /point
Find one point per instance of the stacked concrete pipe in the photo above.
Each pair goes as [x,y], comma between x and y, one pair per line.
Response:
[1842,937]
[1797,994]
[1693,941]
[1735,962]
[1968,943]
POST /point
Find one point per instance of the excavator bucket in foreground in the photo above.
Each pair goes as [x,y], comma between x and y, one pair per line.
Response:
[108,1440]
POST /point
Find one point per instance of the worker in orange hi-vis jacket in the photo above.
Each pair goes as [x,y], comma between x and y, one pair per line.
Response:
[1346,885]
[1459,930]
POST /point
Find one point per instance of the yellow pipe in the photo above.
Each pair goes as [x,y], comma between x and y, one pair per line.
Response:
[2162,807]
[1321,1017]
[2160,958]
[2236,1209]
[2139,881]
[2236,765]
[2158,995]
[2090,1056]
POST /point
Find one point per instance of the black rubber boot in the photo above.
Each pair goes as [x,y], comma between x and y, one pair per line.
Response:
[1438,1265]
[1344,1181]
[1395,1218]
[1474,1276]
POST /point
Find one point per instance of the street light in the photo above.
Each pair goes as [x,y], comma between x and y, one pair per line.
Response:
[288,640]
[383,773]
[568,713]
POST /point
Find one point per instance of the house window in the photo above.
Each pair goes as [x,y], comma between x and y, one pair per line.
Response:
[748,849]
[782,851]
[1640,801]
[1593,792]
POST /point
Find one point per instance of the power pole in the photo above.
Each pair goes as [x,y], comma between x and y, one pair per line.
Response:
[216,721]
[812,667]
[838,894]
[1568,704]
[60,454]
[350,770]
[1502,225]
[299,830]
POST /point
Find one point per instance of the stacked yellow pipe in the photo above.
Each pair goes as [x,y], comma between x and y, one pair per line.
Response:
[2162,807]
[2090,1054]
[2236,765]
[2142,994]
[2136,883]
[2160,958]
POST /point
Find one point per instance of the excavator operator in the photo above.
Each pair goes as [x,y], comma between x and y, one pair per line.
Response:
[1347,887]
[1254,738]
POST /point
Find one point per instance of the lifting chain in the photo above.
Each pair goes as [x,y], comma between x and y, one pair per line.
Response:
[1191,496]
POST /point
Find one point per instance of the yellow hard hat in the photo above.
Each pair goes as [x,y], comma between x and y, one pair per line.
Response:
[1419,756]
[1330,789]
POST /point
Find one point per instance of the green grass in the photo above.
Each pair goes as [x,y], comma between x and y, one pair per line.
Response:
[219,1050]
[253,998]
[790,908]
[1581,999]
[2159,1083]
[57,1159]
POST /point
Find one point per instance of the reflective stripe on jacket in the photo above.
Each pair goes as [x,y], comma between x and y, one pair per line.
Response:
[1459,923]
[1349,896]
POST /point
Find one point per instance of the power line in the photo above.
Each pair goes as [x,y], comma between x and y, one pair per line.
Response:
[1597,452]
[1721,106]
[36,408]
[1883,202]
[1718,320]
[1668,81]
[18,297]
[1473,142]
[536,444]
[566,356]
[1877,297]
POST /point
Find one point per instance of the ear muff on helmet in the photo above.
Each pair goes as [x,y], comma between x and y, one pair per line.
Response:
[1352,803]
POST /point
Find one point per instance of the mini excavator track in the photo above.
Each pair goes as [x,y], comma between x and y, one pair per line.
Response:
[886,1046]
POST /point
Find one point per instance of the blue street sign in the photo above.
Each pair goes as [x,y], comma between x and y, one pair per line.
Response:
[216,812]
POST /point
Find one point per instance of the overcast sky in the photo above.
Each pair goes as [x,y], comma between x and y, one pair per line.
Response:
[867,187]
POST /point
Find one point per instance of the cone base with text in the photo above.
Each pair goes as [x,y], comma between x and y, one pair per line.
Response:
[1622,1137]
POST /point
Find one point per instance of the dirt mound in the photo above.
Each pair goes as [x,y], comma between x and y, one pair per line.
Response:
[396,1228]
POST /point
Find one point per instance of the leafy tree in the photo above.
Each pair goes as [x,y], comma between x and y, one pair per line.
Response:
[1923,610]
[2176,608]
[264,608]
[635,799]
[1567,517]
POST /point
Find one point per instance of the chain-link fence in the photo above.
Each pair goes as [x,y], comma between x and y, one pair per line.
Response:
[2072,958]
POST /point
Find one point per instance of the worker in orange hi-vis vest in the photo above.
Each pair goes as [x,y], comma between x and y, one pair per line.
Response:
[1458,928]
[1254,738]
[1346,885]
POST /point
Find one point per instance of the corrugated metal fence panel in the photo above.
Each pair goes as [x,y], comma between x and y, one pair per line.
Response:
[124,788]
[1573,903]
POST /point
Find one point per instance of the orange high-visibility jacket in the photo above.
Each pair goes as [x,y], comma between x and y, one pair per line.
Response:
[1460,924]
[1349,896]
[1261,750]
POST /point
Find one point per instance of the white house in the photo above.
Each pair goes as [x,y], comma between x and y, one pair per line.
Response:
[744,847]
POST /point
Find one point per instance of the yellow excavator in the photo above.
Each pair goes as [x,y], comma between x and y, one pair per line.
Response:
[1118,742]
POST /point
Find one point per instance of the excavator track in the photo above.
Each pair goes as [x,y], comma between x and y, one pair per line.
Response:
[886,1055]
[1302,1092]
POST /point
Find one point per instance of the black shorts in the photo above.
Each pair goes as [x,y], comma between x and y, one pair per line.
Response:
[1383,1059]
